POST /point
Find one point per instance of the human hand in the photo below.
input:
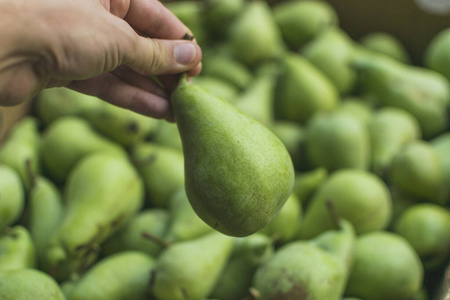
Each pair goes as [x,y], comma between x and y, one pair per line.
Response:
[105,48]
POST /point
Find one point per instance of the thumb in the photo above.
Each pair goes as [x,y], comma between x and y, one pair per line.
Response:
[160,57]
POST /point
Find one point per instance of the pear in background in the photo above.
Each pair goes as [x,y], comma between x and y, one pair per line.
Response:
[306,183]
[441,145]
[390,128]
[184,223]
[238,174]
[17,249]
[387,44]
[247,255]
[314,269]
[416,170]
[12,196]
[66,141]
[166,134]
[302,21]
[44,213]
[132,236]
[60,101]
[218,87]
[426,227]
[302,90]
[437,53]
[336,140]
[356,107]
[359,196]
[191,13]
[226,68]
[20,149]
[422,92]
[190,269]
[219,15]
[293,137]
[102,193]
[386,267]
[255,26]
[124,275]
[27,284]
[286,224]
[123,126]
[257,99]
[161,169]
[332,52]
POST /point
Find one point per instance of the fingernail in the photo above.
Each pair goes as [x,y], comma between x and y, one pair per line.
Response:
[185,53]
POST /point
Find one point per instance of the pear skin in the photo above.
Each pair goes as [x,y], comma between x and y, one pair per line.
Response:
[387,44]
[124,275]
[190,269]
[12,196]
[238,174]
[20,150]
[436,56]
[29,284]
[17,249]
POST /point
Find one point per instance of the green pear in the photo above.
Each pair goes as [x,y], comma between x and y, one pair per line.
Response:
[28,284]
[103,191]
[60,101]
[17,249]
[161,169]
[184,223]
[417,171]
[292,135]
[190,269]
[314,269]
[218,16]
[286,224]
[422,92]
[238,174]
[68,139]
[166,134]
[389,129]
[132,236]
[218,87]
[306,183]
[441,145]
[120,125]
[255,25]
[426,227]
[248,254]
[332,52]
[12,196]
[257,99]
[437,56]
[44,213]
[356,107]
[124,275]
[359,196]
[386,267]
[20,150]
[302,21]
[336,140]
[302,90]
[227,68]
[387,44]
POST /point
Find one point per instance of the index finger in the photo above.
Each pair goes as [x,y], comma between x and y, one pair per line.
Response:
[152,18]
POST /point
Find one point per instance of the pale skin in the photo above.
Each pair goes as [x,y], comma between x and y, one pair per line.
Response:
[104,48]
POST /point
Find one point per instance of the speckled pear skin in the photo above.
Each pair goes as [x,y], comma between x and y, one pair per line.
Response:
[238,174]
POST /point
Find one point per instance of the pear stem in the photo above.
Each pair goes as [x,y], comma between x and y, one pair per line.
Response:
[30,173]
[335,218]
[155,239]
[253,294]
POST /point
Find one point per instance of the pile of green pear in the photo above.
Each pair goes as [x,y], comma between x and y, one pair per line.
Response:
[303,164]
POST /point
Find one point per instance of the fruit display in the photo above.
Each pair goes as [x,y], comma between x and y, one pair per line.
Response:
[303,164]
